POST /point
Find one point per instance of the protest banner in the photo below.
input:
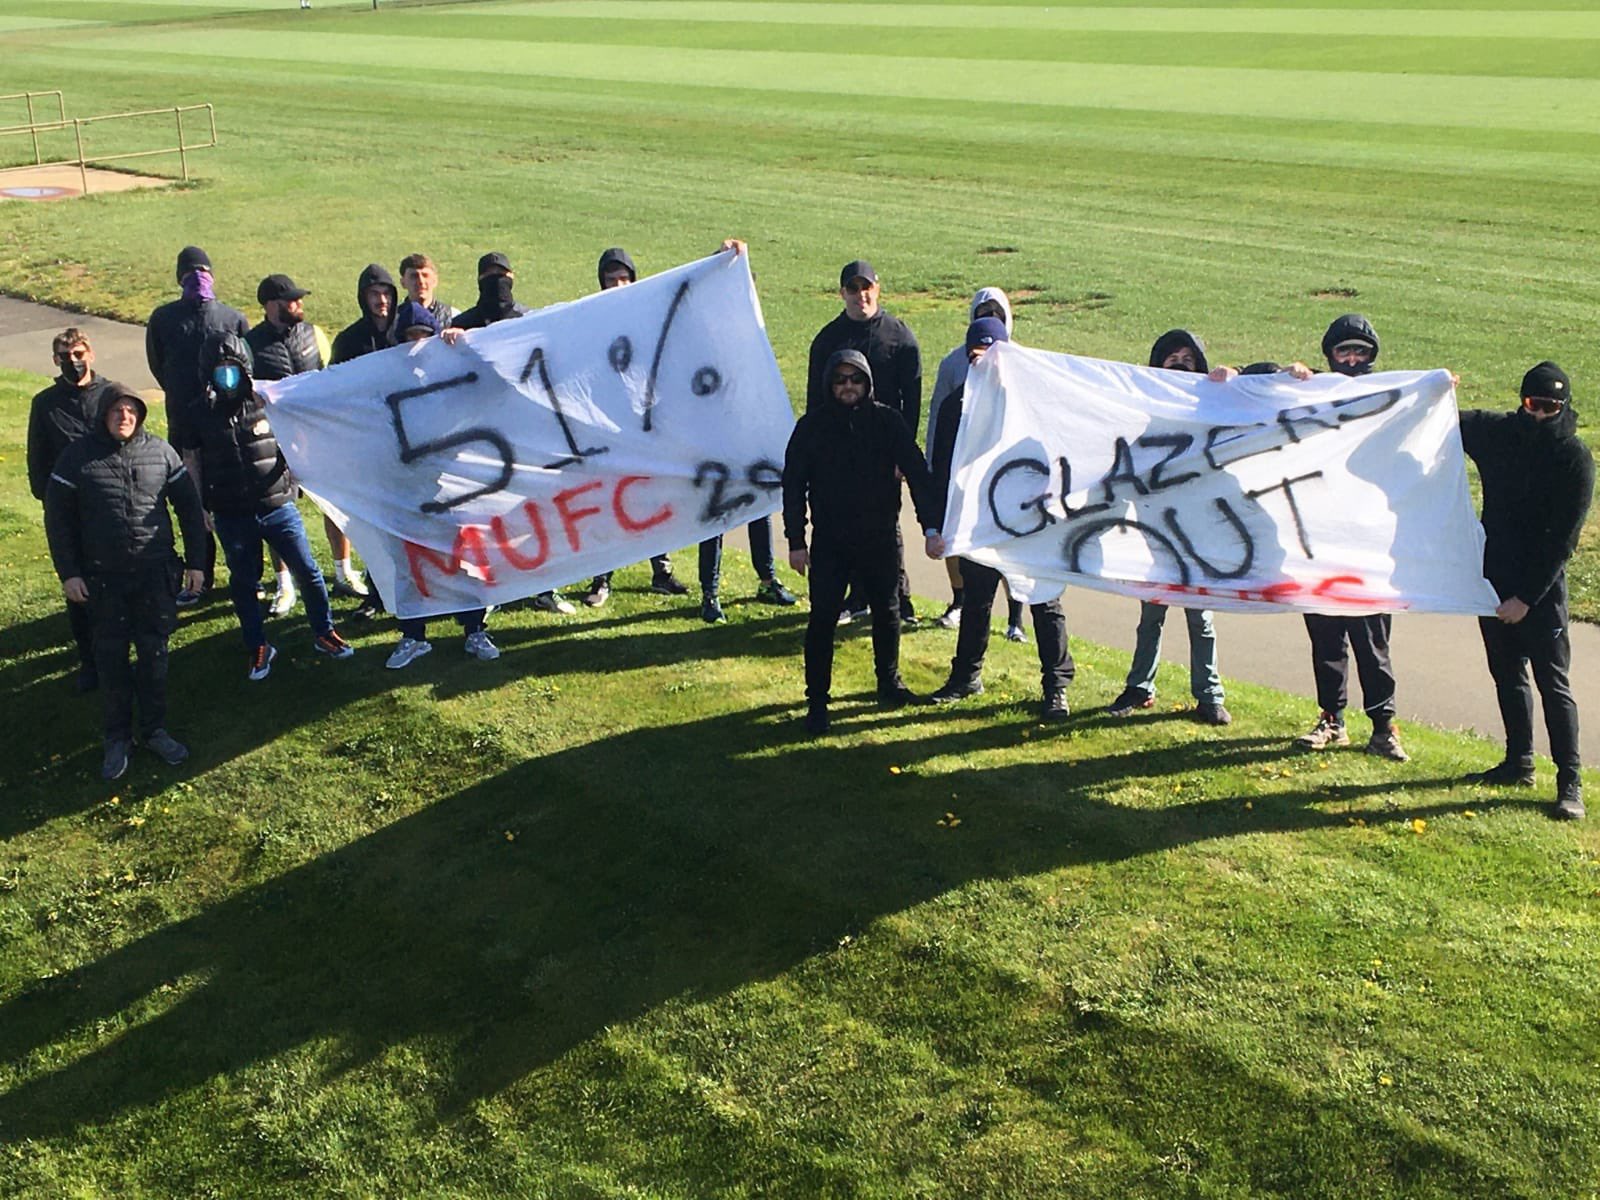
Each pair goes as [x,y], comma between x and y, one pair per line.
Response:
[1330,495]
[550,447]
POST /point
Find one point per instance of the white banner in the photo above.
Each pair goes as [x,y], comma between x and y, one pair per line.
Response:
[1333,495]
[547,448]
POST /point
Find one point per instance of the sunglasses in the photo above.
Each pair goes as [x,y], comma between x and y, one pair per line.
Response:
[1543,404]
[851,377]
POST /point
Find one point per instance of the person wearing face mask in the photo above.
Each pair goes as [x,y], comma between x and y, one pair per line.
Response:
[495,302]
[173,338]
[1350,347]
[107,518]
[844,463]
[377,297]
[981,582]
[1175,350]
[61,414]
[250,495]
[949,380]
[284,343]
[891,349]
[1538,480]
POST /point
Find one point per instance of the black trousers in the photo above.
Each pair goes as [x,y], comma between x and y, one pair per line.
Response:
[1539,640]
[1368,640]
[137,609]
[979,585]
[871,561]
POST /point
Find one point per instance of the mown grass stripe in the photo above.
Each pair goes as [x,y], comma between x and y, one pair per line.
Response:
[1562,105]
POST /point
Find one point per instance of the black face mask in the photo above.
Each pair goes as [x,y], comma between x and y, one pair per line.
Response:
[494,291]
[72,370]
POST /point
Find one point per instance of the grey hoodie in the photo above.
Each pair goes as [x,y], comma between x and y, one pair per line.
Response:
[953,367]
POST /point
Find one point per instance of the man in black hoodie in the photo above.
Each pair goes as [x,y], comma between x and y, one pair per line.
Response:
[495,303]
[172,340]
[377,297]
[1351,347]
[250,495]
[1175,350]
[106,517]
[844,461]
[61,414]
[1538,479]
[980,582]
[891,349]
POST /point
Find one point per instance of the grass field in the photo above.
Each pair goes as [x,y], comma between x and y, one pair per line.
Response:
[591,921]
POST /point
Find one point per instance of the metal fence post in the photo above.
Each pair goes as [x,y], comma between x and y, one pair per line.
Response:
[183,158]
[83,168]
[35,130]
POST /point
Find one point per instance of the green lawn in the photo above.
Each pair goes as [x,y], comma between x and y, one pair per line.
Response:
[593,921]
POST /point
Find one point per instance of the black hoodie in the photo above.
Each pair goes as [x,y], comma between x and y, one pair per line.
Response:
[494,304]
[842,461]
[616,257]
[892,350]
[242,471]
[364,337]
[1538,478]
[1177,339]
[105,510]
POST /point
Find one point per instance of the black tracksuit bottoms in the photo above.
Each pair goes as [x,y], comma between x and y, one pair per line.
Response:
[138,608]
[979,584]
[1368,639]
[1539,640]
[870,560]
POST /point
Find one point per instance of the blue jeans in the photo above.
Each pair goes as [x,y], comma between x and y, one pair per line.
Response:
[760,555]
[1204,682]
[242,538]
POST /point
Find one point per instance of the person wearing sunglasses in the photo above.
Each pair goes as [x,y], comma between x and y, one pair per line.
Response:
[891,349]
[1538,478]
[843,464]
[1350,347]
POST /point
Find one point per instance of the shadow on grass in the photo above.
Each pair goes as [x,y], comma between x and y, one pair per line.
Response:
[640,868]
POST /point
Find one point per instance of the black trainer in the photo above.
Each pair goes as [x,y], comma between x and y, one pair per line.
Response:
[953,691]
[817,721]
[1569,802]
[668,584]
[897,696]
[1502,774]
[1055,707]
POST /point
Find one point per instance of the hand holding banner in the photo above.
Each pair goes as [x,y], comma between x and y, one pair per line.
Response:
[547,448]
[1331,495]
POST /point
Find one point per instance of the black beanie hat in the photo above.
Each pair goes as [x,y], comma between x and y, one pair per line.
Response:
[192,258]
[1548,381]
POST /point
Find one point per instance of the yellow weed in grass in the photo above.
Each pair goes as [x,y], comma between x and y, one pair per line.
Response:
[1385,1081]
[1418,825]
[894,770]
[510,837]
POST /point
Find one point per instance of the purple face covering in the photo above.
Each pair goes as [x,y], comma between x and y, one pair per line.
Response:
[197,285]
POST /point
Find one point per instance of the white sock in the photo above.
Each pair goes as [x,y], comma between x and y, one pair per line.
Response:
[285,581]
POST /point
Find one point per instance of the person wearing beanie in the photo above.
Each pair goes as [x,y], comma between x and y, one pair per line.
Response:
[61,414]
[173,338]
[414,322]
[1175,350]
[980,582]
[891,349]
[1350,347]
[616,270]
[250,494]
[1538,479]
[843,466]
[495,302]
[951,376]
[107,516]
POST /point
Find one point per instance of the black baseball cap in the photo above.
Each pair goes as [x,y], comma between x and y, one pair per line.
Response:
[278,287]
[491,261]
[860,269]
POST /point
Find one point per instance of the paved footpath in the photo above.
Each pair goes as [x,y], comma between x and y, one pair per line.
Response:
[1438,660]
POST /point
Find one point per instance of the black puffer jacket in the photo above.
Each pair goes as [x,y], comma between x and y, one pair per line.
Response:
[105,511]
[891,348]
[280,353]
[363,336]
[1538,479]
[842,462]
[172,342]
[61,414]
[241,467]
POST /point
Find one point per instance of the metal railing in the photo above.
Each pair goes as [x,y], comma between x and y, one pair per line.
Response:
[78,124]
